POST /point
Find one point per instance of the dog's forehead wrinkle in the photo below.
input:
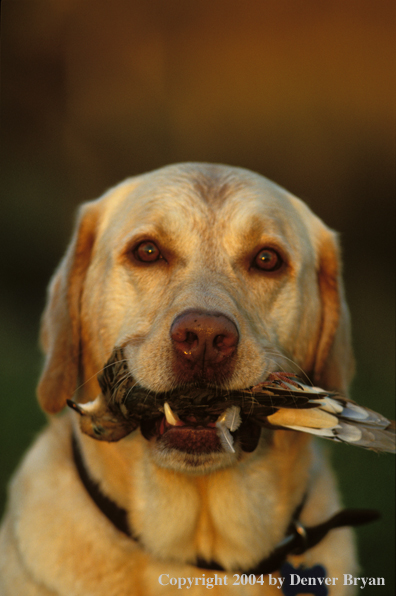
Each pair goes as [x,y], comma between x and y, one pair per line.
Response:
[172,217]
[255,214]
[215,187]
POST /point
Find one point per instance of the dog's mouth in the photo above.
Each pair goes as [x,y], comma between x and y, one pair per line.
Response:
[200,436]
[194,419]
[199,422]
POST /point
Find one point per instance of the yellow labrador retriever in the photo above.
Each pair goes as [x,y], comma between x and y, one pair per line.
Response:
[206,275]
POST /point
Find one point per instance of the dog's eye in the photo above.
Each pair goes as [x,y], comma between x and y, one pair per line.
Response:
[147,252]
[268,260]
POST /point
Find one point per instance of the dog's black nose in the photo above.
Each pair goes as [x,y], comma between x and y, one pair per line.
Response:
[207,337]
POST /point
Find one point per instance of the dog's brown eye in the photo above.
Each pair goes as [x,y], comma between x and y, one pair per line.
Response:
[268,260]
[147,252]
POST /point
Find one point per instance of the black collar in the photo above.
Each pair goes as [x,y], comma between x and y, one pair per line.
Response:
[297,540]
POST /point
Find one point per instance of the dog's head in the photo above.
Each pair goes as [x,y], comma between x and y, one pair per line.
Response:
[206,275]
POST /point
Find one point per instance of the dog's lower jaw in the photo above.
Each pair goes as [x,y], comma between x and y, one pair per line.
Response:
[203,463]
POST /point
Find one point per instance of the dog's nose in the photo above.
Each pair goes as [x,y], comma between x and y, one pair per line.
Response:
[204,336]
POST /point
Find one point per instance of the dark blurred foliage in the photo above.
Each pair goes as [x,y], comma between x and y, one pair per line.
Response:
[300,91]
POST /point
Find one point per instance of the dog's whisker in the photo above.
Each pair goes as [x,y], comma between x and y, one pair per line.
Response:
[95,375]
[276,353]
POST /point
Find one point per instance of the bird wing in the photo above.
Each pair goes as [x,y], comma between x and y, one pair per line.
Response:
[340,419]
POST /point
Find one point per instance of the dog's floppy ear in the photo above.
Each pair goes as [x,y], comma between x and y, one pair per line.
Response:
[334,362]
[60,328]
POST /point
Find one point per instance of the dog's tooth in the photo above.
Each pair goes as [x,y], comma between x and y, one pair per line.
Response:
[170,416]
[221,418]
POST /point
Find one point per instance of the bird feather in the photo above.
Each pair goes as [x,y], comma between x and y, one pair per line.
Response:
[283,400]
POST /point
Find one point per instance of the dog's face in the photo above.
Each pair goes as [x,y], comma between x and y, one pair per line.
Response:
[206,275]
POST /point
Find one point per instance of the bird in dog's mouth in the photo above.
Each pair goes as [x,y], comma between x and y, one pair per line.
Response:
[201,419]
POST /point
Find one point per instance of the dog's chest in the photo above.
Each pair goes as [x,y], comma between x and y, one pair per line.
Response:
[223,517]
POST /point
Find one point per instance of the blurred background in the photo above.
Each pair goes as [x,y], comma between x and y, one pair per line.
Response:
[298,90]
